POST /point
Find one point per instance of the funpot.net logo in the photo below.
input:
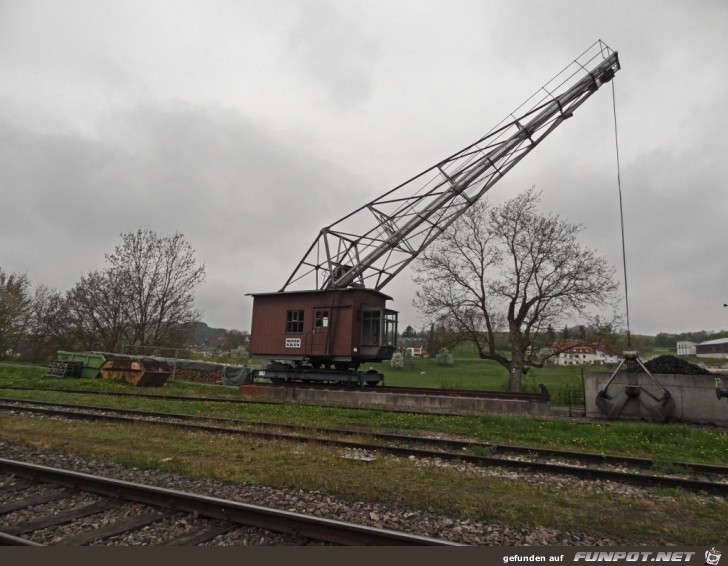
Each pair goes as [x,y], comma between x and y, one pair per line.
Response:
[647,556]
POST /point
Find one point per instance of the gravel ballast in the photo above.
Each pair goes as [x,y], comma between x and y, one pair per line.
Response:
[422,522]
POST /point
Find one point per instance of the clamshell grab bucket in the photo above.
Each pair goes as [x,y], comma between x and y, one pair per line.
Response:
[659,408]
[720,392]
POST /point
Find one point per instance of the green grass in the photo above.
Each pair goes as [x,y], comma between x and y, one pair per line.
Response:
[33,376]
[664,517]
[474,373]
[466,373]
[667,443]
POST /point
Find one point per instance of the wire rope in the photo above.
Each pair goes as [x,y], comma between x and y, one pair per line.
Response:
[621,217]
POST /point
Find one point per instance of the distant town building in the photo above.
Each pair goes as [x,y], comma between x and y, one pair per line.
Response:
[573,352]
[415,347]
[686,348]
[712,348]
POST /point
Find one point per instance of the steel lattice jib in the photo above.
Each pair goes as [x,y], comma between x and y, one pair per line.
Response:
[371,245]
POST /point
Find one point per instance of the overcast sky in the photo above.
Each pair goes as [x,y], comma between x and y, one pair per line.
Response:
[249,125]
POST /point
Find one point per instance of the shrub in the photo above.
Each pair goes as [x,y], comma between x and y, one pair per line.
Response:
[444,357]
[397,361]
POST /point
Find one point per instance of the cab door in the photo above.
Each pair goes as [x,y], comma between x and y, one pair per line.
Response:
[321,333]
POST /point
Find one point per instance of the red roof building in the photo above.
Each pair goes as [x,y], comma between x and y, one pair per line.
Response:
[577,352]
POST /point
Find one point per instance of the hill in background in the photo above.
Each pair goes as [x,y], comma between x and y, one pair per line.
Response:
[204,334]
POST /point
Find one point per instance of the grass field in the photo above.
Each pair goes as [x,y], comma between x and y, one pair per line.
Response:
[563,382]
[663,442]
[660,517]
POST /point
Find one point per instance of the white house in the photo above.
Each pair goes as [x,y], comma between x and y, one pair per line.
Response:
[686,348]
[573,353]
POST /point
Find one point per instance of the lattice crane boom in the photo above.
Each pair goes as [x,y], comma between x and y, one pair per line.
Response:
[371,245]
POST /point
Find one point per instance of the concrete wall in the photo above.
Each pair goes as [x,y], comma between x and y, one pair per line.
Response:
[363,398]
[694,396]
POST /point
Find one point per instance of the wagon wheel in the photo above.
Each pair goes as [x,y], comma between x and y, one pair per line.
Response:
[372,382]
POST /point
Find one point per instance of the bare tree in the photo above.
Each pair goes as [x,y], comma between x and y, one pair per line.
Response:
[159,275]
[32,322]
[144,297]
[48,329]
[15,311]
[510,269]
[95,308]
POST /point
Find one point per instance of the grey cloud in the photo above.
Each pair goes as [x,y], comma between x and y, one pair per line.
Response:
[249,126]
[333,49]
[249,203]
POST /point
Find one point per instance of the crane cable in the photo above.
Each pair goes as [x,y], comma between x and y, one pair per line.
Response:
[621,216]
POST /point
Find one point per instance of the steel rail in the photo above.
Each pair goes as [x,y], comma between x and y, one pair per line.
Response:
[483,461]
[13,540]
[456,444]
[308,526]
[452,444]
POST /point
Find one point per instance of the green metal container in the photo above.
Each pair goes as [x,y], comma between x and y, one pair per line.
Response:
[91,362]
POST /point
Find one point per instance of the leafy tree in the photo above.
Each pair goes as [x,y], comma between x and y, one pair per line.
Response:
[442,334]
[510,268]
[550,334]
[432,343]
[233,339]
[665,340]
[409,332]
[641,343]
[670,340]
[605,332]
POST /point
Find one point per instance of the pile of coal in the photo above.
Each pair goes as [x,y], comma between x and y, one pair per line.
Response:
[675,365]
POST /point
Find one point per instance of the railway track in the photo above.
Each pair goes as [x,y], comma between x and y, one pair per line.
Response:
[106,510]
[623,469]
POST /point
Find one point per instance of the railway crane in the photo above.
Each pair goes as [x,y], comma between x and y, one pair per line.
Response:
[330,315]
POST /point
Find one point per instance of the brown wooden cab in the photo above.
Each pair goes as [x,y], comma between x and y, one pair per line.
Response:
[333,328]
